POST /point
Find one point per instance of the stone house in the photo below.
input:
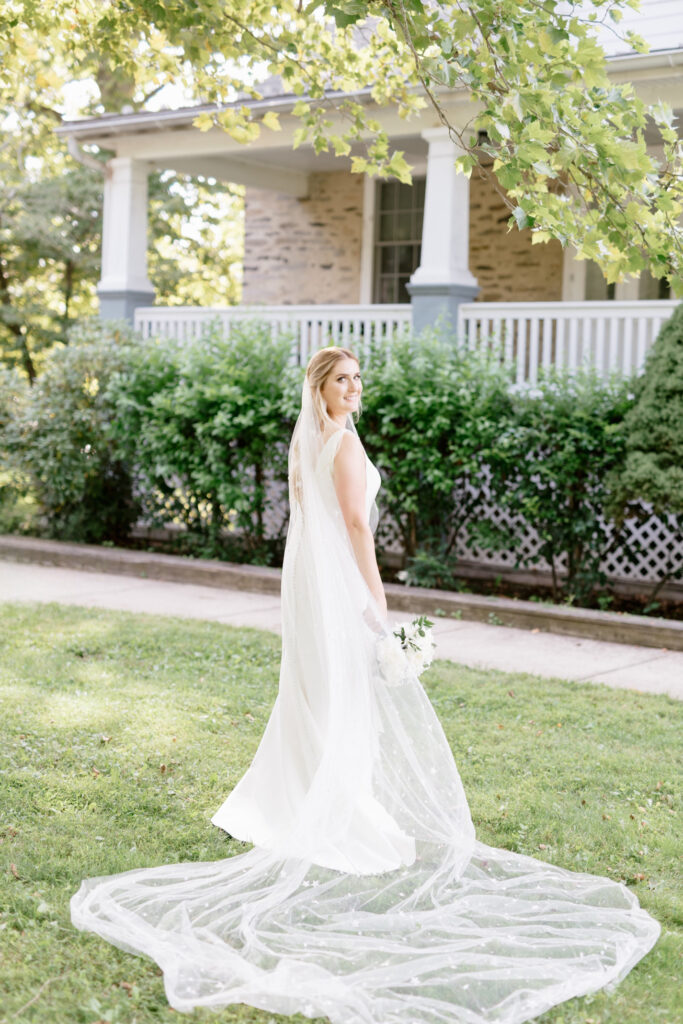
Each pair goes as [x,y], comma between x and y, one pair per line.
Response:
[340,245]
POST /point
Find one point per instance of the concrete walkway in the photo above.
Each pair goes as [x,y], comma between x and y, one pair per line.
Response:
[468,643]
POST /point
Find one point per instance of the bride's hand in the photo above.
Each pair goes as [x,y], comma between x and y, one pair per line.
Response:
[376,618]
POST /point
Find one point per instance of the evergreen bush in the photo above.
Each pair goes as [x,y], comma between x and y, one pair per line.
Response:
[651,480]
[653,471]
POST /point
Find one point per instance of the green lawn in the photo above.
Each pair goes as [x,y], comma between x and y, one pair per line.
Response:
[122,734]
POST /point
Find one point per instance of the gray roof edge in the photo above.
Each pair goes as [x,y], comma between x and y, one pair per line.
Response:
[118,124]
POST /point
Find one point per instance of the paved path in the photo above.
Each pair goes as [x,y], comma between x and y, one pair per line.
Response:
[468,643]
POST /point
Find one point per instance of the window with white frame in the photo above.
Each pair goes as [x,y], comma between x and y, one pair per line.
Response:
[398,238]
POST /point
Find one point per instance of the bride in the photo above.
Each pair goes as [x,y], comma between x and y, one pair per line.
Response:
[366,897]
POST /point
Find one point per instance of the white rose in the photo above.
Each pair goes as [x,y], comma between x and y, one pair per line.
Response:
[415,659]
[391,658]
[428,647]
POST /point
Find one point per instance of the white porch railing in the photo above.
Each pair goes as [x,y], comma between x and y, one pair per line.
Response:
[358,327]
[610,336]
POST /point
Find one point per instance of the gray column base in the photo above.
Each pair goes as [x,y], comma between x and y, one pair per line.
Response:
[122,305]
[434,304]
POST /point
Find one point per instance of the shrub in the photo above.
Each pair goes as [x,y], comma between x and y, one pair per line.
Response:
[431,414]
[14,509]
[652,477]
[14,389]
[654,427]
[58,440]
[207,425]
[553,463]
[197,435]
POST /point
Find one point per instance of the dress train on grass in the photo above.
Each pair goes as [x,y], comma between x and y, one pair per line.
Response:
[367,898]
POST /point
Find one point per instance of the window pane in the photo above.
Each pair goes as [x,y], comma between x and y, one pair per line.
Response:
[406,197]
[403,228]
[386,289]
[403,295]
[405,255]
[387,259]
[386,227]
[388,196]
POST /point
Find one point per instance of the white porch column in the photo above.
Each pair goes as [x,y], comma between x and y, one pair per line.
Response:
[443,279]
[124,284]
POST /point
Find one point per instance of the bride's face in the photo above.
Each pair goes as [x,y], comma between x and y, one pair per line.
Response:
[342,388]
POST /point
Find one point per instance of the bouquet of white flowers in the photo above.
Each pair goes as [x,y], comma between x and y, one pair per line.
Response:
[409,648]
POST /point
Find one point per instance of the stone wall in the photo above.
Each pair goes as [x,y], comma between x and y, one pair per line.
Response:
[309,250]
[304,250]
[505,263]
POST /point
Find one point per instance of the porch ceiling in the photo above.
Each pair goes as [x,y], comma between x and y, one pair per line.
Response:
[277,167]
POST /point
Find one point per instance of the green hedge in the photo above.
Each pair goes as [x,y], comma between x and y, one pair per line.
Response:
[206,427]
[554,463]
[431,417]
[57,442]
[197,433]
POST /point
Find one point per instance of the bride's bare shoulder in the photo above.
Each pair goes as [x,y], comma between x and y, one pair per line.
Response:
[341,436]
[349,448]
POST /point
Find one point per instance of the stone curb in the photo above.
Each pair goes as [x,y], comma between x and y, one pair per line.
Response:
[500,611]
[123,562]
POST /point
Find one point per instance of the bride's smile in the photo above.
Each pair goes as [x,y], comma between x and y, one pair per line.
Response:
[342,389]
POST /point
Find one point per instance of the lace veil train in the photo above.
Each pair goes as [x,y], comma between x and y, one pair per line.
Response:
[367,898]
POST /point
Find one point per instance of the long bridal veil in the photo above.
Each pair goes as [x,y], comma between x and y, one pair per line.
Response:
[367,898]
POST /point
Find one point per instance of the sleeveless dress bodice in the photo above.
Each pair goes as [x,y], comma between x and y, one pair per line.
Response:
[372,486]
[326,469]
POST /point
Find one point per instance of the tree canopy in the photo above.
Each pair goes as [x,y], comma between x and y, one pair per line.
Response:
[566,143]
[51,206]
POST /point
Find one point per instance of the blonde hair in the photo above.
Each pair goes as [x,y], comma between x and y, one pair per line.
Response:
[320,366]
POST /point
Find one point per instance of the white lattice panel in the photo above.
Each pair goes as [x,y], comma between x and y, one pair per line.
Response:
[656,544]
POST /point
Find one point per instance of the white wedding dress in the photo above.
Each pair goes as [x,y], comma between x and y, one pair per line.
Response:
[366,898]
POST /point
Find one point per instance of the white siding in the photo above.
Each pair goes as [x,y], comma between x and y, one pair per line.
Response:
[659,22]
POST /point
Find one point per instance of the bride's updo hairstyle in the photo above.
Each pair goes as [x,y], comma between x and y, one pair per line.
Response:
[320,366]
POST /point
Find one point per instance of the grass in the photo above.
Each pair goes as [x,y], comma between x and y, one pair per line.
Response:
[121,735]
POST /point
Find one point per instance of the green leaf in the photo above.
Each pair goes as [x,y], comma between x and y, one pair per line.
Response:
[520,217]
[466,163]
[272,120]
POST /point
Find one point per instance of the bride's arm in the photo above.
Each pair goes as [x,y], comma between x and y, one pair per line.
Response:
[349,482]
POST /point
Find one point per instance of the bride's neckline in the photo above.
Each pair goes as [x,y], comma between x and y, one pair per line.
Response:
[326,443]
[333,434]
